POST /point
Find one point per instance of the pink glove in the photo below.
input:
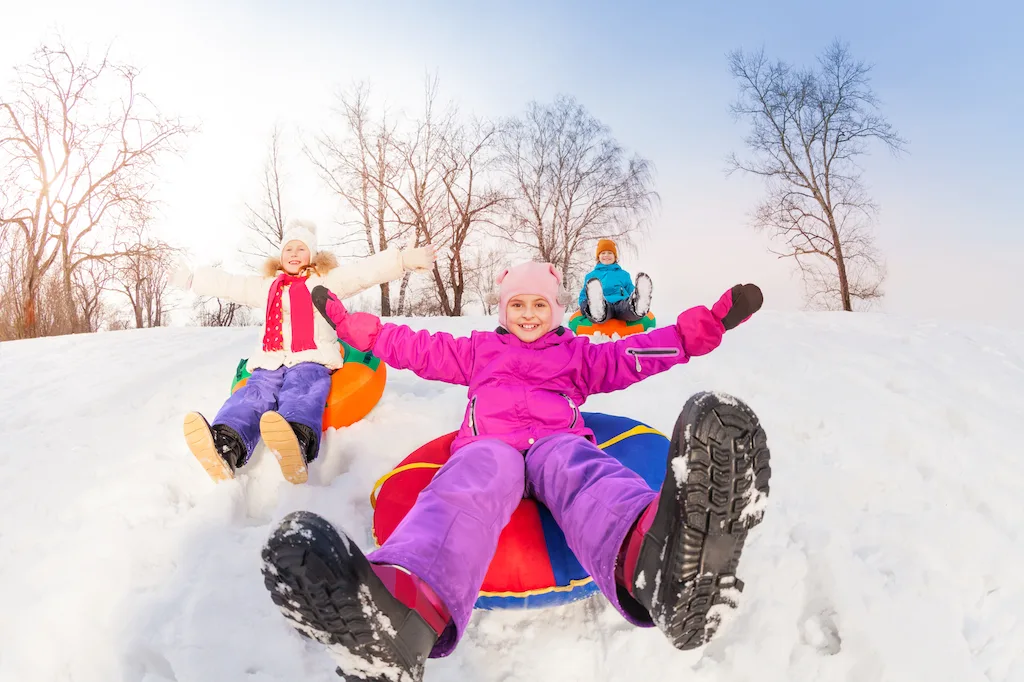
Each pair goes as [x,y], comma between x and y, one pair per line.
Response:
[358,330]
[737,305]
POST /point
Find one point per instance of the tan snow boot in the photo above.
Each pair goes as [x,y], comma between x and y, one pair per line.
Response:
[200,441]
[280,438]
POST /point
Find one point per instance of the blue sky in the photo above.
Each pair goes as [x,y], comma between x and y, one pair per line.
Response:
[949,76]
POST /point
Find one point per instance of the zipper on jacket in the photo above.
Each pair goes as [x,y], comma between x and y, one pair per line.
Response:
[652,352]
[575,410]
[472,416]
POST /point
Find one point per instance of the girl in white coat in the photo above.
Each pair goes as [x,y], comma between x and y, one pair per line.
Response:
[283,400]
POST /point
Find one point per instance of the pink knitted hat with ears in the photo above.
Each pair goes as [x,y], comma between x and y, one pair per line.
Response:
[538,279]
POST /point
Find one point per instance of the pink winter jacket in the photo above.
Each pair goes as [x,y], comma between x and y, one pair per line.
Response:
[520,392]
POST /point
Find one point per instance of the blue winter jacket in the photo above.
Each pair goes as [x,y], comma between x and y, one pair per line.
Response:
[615,281]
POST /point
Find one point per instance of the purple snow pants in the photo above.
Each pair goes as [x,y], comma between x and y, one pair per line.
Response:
[449,537]
[297,393]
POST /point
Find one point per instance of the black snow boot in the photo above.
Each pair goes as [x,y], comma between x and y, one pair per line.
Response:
[690,540]
[219,449]
[230,446]
[328,591]
[309,443]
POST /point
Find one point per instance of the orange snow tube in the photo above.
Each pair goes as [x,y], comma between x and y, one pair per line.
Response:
[355,388]
[582,326]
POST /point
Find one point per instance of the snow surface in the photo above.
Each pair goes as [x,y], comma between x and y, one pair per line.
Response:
[891,548]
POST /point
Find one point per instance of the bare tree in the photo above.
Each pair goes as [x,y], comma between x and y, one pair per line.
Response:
[423,302]
[482,271]
[210,311]
[571,184]
[473,199]
[142,276]
[414,192]
[266,221]
[808,127]
[55,307]
[78,147]
[443,191]
[424,179]
[88,284]
[116,321]
[357,165]
[214,312]
[12,310]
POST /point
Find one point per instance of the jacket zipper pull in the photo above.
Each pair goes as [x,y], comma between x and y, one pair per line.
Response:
[572,405]
[636,356]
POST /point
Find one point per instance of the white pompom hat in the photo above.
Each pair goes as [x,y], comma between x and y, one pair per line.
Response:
[300,230]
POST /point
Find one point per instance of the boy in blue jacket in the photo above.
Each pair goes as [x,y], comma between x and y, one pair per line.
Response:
[608,291]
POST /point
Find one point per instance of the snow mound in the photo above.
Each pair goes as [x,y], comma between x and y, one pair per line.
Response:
[891,548]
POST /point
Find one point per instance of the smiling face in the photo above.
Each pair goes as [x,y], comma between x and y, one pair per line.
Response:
[606,257]
[294,257]
[528,317]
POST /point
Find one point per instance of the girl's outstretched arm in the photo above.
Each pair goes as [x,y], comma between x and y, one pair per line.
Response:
[248,290]
[386,266]
[363,273]
[697,331]
[437,357]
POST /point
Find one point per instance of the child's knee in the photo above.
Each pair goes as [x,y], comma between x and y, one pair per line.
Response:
[497,466]
[551,450]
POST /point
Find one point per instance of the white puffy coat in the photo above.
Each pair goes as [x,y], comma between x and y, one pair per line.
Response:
[254,290]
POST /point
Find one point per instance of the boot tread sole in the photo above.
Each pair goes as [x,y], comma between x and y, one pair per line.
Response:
[280,438]
[318,591]
[200,442]
[726,452]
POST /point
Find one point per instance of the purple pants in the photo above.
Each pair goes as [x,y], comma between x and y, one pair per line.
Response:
[449,537]
[297,393]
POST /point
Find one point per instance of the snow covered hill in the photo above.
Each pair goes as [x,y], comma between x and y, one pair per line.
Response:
[892,550]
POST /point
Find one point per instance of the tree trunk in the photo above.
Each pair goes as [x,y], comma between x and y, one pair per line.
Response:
[29,323]
[458,283]
[401,294]
[457,301]
[442,292]
[844,282]
[385,299]
[74,323]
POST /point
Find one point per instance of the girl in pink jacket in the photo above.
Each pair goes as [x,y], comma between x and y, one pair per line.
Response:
[665,558]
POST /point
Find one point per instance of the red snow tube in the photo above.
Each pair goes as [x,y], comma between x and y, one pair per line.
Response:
[533,566]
